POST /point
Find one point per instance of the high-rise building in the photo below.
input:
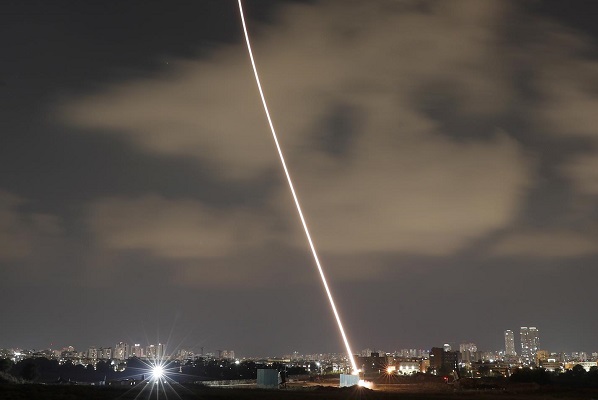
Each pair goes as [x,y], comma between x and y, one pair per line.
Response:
[541,356]
[227,354]
[151,352]
[468,351]
[443,361]
[121,351]
[470,347]
[183,354]
[92,353]
[105,353]
[155,352]
[137,351]
[510,343]
[409,353]
[530,343]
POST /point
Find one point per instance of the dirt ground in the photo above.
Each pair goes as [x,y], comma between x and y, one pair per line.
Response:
[293,392]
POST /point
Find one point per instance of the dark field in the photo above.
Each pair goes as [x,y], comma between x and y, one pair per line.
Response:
[402,392]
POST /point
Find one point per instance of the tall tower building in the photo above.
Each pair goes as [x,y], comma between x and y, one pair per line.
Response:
[121,351]
[137,351]
[92,354]
[228,354]
[510,343]
[105,353]
[155,352]
[471,347]
[530,343]
[468,351]
[151,352]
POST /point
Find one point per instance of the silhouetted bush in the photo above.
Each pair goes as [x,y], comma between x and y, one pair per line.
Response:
[8,378]
[529,375]
[30,371]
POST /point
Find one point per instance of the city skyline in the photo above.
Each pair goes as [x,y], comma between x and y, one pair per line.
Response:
[405,361]
[529,344]
[444,154]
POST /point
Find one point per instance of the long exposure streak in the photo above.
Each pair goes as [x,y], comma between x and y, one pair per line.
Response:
[286,171]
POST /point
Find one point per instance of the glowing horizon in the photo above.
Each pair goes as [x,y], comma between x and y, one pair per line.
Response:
[295,198]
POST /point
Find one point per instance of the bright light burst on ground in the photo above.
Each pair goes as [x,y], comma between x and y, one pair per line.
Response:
[365,384]
[157,372]
[156,377]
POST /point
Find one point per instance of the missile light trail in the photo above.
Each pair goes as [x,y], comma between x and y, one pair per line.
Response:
[286,171]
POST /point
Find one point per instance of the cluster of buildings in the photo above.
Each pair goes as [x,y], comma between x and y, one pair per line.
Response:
[468,359]
[530,345]
[115,355]
[439,360]
[533,355]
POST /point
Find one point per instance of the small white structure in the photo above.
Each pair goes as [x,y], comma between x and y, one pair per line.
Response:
[586,364]
[408,367]
[268,378]
[349,380]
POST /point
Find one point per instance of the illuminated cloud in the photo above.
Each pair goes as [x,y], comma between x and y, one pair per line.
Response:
[583,172]
[567,82]
[398,184]
[429,198]
[315,58]
[546,244]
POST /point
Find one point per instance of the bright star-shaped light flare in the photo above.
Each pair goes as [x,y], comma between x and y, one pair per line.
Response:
[157,372]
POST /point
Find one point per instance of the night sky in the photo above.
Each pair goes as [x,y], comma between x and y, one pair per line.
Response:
[445,154]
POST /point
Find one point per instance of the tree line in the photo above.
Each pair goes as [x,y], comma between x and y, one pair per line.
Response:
[51,371]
